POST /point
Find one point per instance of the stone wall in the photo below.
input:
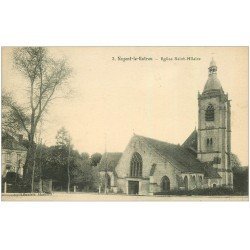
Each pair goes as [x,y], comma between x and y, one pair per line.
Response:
[149,157]
[219,130]
[113,181]
[164,169]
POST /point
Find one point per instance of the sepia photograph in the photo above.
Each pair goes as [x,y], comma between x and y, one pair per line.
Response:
[124,124]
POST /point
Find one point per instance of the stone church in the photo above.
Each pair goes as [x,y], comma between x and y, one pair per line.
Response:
[149,166]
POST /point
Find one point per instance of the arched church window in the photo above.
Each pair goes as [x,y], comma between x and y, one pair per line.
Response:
[136,165]
[211,141]
[200,179]
[217,160]
[186,183]
[209,114]
[8,157]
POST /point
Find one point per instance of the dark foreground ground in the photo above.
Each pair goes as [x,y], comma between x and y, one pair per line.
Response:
[114,197]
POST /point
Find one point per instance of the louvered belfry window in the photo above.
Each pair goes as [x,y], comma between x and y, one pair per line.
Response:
[209,115]
[136,165]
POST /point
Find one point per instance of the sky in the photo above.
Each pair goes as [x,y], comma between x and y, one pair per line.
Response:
[156,98]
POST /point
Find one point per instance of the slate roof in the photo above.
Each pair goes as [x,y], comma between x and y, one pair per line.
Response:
[109,161]
[9,142]
[213,83]
[185,161]
[191,142]
[210,172]
[191,145]
[181,156]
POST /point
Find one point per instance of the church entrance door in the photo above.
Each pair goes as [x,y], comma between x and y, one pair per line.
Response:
[133,187]
[165,184]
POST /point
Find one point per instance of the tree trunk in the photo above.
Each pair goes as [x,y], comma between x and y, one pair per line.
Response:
[29,163]
[68,166]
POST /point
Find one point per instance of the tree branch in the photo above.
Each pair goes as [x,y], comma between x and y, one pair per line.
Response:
[20,117]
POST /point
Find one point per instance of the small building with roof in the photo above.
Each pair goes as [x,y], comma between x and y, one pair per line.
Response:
[13,155]
[150,166]
[108,175]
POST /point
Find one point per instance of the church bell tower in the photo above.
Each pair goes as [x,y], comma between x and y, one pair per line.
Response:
[214,127]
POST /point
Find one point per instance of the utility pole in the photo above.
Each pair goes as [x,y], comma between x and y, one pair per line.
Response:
[40,168]
[68,168]
[106,167]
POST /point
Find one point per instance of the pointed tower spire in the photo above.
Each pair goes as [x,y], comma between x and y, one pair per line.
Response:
[212,67]
[212,63]
[213,83]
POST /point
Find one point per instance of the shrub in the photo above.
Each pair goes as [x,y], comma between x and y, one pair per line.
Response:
[241,180]
[219,191]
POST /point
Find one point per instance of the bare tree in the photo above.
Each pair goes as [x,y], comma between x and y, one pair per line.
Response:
[11,114]
[45,81]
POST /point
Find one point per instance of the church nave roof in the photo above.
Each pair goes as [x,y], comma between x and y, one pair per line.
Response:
[109,161]
[181,156]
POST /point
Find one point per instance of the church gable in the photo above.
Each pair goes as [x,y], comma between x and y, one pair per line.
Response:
[191,142]
[136,149]
[154,152]
[149,162]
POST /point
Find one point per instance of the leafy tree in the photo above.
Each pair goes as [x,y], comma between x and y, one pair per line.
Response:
[85,156]
[235,162]
[45,79]
[95,159]
[241,180]
[84,175]
[240,175]
[61,161]
[63,142]
[54,165]
[62,138]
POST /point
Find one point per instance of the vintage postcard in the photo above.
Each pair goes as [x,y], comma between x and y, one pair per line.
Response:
[124,124]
